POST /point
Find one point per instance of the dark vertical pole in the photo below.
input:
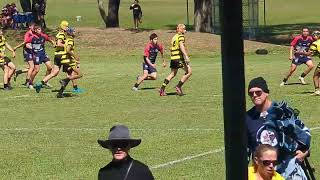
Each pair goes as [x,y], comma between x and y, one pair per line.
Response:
[264,13]
[233,90]
[187,13]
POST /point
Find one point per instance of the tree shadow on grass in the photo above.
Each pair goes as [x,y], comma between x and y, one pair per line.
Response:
[138,30]
[282,34]
[174,27]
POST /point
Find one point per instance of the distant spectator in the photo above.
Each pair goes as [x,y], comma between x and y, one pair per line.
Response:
[6,18]
[39,10]
[264,162]
[137,13]
[122,166]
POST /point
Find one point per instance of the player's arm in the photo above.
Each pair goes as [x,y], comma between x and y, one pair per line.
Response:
[60,43]
[146,55]
[19,45]
[184,52]
[163,60]
[71,52]
[149,62]
[291,51]
[11,49]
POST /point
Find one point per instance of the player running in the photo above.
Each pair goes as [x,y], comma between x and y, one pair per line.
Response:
[36,44]
[179,59]
[299,54]
[58,55]
[149,67]
[315,49]
[27,54]
[70,63]
[5,63]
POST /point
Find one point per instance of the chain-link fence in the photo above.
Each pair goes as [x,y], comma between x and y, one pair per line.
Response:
[250,14]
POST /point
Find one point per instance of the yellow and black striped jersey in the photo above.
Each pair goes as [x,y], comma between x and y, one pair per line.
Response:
[2,45]
[66,58]
[176,53]
[69,42]
[315,47]
[60,36]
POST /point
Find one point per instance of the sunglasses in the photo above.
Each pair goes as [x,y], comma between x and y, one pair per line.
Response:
[251,93]
[268,162]
[120,145]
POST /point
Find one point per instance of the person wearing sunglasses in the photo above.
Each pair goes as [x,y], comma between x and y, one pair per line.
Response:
[122,166]
[263,123]
[264,162]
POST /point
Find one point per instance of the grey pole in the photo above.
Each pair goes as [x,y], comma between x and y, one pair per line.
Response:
[233,90]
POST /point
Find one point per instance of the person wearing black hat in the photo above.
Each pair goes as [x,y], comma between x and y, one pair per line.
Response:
[122,166]
[259,119]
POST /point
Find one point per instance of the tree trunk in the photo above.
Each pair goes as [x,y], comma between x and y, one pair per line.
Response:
[25,5]
[203,15]
[112,19]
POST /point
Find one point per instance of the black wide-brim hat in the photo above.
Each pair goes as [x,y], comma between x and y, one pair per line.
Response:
[119,133]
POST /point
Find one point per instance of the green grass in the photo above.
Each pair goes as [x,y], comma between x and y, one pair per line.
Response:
[58,136]
[156,13]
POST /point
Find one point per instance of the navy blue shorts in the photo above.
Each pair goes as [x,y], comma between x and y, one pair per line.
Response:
[27,56]
[41,57]
[147,67]
[298,60]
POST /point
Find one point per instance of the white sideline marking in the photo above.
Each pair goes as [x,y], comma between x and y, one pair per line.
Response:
[199,155]
[21,96]
[187,158]
[315,128]
[101,129]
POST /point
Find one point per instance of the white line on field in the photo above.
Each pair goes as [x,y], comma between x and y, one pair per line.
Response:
[187,158]
[102,129]
[21,96]
[199,155]
[315,128]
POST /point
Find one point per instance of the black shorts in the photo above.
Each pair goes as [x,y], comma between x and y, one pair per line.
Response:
[68,67]
[136,16]
[176,64]
[5,61]
[57,59]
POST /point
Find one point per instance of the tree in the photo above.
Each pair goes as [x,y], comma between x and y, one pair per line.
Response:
[112,19]
[203,15]
[25,5]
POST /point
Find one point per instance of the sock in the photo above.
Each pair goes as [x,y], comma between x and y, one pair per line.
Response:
[75,87]
[165,83]
[303,75]
[5,85]
[61,90]
[285,80]
[180,84]
[43,83]
[66,81]
[19,72]
[136,85]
